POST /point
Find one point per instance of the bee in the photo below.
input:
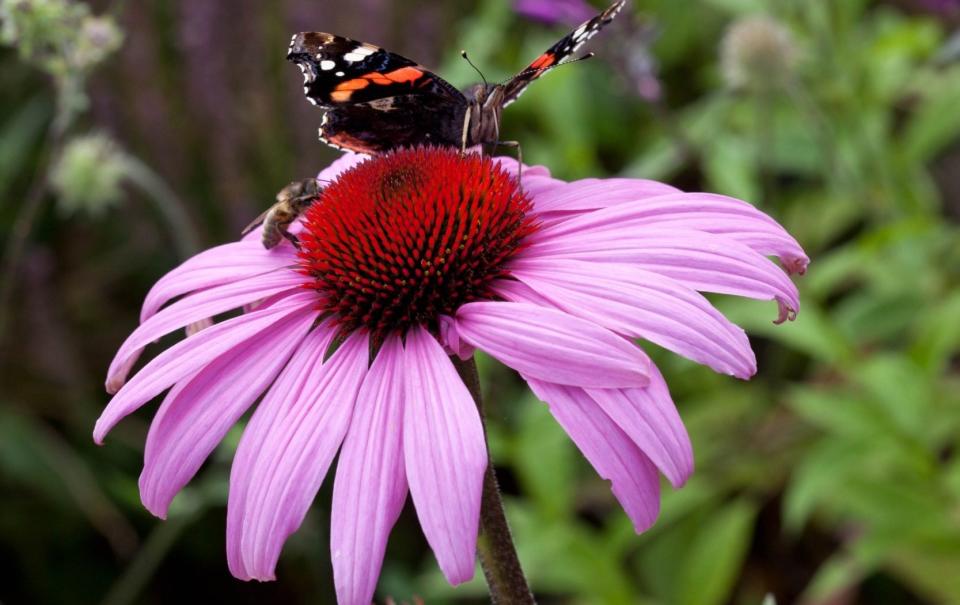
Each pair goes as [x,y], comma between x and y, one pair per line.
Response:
[292,201]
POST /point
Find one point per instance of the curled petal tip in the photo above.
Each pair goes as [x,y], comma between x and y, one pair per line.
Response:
[786,313]
[114,384]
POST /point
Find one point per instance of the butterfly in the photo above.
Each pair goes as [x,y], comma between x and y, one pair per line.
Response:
[376,100]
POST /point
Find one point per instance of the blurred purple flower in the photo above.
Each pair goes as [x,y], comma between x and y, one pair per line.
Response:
[944,7]
[555,12]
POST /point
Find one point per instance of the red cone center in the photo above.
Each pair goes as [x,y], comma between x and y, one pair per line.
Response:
[407,236]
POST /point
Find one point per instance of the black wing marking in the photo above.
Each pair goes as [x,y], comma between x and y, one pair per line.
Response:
[338,70]
[383,124]
[558,52]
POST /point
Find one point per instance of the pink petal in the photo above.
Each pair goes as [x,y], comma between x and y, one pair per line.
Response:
[188,356]
[535,181]
[509,165]
[340,165]
[650,419]
[452,343]
[700,260]
[199,411]
[608,449]
[370,486]
[290,386]
[551,345]
[220,265]
[641,304]
[593,194]
[286,450]
[708,212]
[202,305]
[445,454]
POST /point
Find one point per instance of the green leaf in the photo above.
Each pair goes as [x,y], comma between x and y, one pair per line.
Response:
[935,123]
[545,460]
[18,135]
[714,559]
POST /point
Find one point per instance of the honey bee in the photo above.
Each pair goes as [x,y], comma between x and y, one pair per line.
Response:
[292,200]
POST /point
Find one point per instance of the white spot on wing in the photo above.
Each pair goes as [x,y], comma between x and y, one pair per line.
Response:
[327,65]
[339,74]
[358,53]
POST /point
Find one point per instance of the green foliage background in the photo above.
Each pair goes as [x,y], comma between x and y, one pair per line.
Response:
[832,477]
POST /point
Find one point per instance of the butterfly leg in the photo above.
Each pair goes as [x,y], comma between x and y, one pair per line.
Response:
[292,200]
[466,130]
[514,145]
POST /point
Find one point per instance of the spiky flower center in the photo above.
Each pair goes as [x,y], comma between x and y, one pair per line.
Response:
[408,236]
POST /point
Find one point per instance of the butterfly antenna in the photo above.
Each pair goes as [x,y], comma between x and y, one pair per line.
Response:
[531,70]
[463,54]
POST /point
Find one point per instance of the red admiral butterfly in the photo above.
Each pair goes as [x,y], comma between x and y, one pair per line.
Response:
[376,100]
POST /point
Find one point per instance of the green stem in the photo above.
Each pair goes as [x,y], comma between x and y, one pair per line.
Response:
[498,555]
[167,204]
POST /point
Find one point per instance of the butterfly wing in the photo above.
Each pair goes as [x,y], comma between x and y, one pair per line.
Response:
[339,71]
[398,121]
[558,52]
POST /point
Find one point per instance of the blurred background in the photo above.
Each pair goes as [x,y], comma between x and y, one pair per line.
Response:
[135,133]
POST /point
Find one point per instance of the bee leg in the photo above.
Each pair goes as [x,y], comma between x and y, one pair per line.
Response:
[290,210]
[291,201]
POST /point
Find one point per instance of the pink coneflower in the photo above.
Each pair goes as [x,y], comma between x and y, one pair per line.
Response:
[406,259]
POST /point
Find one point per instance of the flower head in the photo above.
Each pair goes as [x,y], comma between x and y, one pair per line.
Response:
[88,175]
[757,53]
[406,259]
[401,242]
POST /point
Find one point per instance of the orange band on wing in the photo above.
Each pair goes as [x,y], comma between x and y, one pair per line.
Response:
[354,84]
[404,74]
[344,90]
[543,61]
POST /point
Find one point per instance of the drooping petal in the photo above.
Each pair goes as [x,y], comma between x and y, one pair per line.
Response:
[708,212]
[593,194]
[649,417]
[207,303]
[199,411]
[700,260]
[552,345]
[287,448]
[609,450]
[191,354]
[216,266]
[445,454]
[641,304]
[371,485]
[290,386]
[452,343]
[535,180]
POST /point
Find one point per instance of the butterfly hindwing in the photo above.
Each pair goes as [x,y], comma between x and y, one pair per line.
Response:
[404,120]
[338,70]
[555,55]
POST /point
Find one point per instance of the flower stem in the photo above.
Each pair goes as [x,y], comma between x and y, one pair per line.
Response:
[498,555]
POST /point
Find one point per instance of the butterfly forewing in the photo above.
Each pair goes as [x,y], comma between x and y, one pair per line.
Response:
[556,54]
[338,70]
